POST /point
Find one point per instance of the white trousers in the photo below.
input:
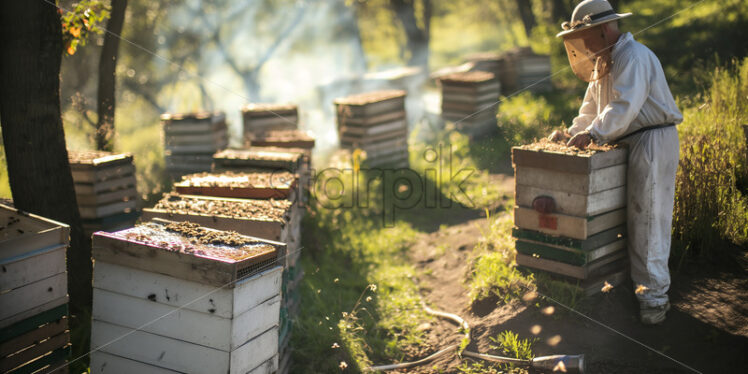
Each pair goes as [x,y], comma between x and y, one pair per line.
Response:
[652,164]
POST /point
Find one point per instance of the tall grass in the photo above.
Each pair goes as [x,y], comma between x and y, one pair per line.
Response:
[709,205]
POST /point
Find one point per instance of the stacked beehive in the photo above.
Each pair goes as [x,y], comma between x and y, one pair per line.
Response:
[176,297]
[570,216]
[277,220]
[486,61]
[34,336]
[105,189]
[260,118]
[293,160]
[376,123]
[273,186]
[191,139]
[470,100]
[522,69]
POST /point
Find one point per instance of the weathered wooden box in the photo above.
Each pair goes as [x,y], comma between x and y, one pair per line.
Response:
[585,184]
[281,138]
[571,251]
[191,139]
[33,292]
[105,184]
[247,185]
[273,158]
[184,307]
[264,117]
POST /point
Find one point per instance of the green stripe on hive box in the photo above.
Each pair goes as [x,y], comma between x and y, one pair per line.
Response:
[589,244]
[601,266]
[569,226]
[568,255]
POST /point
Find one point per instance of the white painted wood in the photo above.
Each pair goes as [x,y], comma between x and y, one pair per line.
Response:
[565,225]
[194,296]
[33,295]
[90,212]
[32,267]
[107,197]
[31,233]
[157,350]
[256,351]
[267,367]
[106,363]
[102,173]
[110,185]
[183,324]
[271,230]
[33,311]
[582,184]
[574,204]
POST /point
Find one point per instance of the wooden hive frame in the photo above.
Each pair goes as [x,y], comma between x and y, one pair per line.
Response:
[105,183]
[279,187]
[370,104]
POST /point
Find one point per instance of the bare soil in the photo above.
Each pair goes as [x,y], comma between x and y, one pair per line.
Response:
[706,329]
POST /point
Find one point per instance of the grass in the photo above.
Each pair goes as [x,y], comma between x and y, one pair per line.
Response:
[507,344]
[710,202]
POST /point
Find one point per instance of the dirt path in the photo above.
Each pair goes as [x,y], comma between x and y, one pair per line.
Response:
[706,329]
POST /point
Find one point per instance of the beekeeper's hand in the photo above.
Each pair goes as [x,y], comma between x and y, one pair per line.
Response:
[558,135]
[581,140]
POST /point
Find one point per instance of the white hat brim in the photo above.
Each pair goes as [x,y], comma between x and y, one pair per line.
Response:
[600,21]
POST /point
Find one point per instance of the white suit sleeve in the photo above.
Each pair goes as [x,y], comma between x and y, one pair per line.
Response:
[587,112]
[630,91]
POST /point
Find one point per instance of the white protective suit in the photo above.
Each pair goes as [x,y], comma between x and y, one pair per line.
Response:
[633,96]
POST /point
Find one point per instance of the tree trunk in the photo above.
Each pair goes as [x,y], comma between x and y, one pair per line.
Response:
[528,18]
[107,78]
[38,168]
[417,39]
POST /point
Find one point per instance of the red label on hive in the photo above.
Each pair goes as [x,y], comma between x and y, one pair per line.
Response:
[547,222]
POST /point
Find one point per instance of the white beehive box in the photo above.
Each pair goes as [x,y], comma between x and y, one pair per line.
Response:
[181,308]
[33,292]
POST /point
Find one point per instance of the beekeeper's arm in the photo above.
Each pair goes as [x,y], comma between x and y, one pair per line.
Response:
[630,90]
[587,112]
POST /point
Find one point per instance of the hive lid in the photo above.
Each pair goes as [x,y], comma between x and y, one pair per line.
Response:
[22,232]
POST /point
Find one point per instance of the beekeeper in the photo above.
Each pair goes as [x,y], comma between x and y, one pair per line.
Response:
[628,101]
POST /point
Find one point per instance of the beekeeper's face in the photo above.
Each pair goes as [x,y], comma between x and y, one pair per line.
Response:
[589,53]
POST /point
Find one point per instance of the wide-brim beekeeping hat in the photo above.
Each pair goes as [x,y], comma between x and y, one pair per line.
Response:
[590,13]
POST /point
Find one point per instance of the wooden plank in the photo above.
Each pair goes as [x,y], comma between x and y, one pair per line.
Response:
[11,362]
[93,212]
[568,255]
[473,108]
[114,249]
[268,367]
[125,182]
[102,174]
[29,314]
[591,243]
[107,363]
[372,108]
[580,164]
[372,120]
[29,324]
[582,184]
[189,295]
[29,233]
[255,352]
[32,337]
[213,138]
[32,295]
[107,197]
[196,148]
[53,360]
[359,141]
[32,267]
[472,97]
[105,160]
[574,204]
[578,272]
[565,225]
[157,350]
[384,128]
[201,328]
[271,230]
[252,124]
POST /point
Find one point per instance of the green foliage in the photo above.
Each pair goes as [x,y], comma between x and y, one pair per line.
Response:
[84,19]
[512,346]
[568,294]
[709,203]
[526,116]
[494,271]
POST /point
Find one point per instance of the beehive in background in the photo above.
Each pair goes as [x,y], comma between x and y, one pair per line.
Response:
[277,220]
[470,100]
[191,139]
[34,335]
[177,297]
[376,123]
[293,160]
[521,69]
[570,216]
[105,188]
[260,118]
